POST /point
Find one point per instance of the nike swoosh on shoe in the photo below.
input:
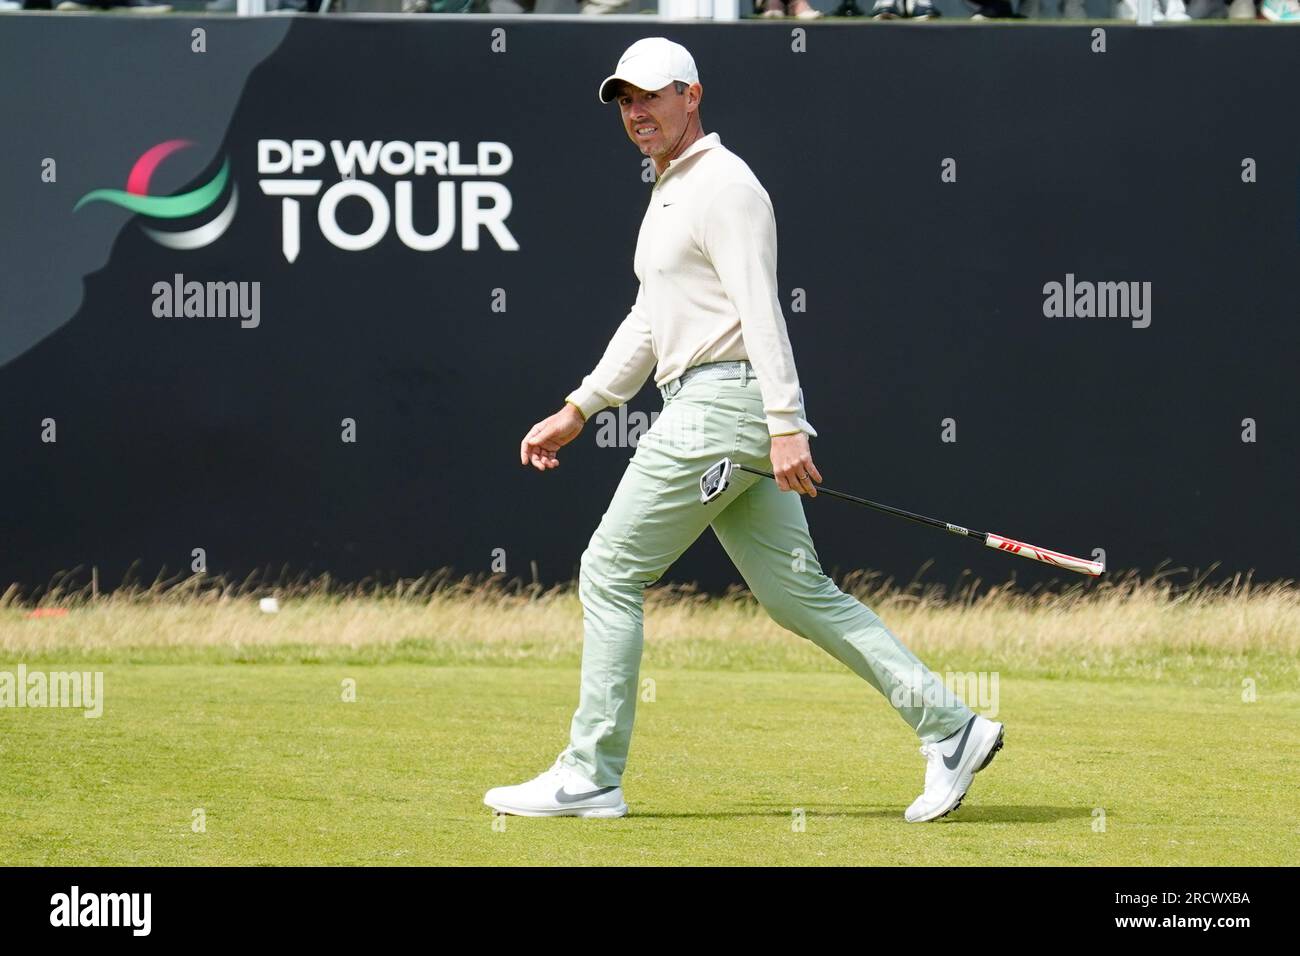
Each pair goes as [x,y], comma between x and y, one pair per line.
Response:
[563,796]
[955,760]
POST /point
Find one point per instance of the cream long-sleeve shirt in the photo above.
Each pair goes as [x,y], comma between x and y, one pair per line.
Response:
[706,260]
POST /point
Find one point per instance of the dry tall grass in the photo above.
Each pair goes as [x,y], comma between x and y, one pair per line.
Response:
[1129,624]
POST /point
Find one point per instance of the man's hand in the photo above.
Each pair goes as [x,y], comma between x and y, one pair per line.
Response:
[546,437]
[792,464]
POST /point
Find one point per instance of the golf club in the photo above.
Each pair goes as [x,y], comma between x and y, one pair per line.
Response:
[715,481]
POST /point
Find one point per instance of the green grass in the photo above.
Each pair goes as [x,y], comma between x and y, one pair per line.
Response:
[287,773]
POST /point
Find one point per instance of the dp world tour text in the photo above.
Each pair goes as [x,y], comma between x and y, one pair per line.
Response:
[484,203]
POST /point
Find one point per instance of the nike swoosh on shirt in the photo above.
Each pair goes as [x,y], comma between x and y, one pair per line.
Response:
[952,762]
[563,796]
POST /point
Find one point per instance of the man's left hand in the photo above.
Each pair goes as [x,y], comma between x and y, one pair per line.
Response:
[792,464]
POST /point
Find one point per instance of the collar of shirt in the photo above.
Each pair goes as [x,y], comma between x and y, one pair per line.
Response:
[701,144]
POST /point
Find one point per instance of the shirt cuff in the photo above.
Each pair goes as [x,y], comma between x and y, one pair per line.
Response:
[588,401]
[778,425]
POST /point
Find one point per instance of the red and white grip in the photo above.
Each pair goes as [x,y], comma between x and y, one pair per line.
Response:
[1056,558]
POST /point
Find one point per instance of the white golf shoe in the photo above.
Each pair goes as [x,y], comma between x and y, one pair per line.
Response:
[952,762]
[559,792]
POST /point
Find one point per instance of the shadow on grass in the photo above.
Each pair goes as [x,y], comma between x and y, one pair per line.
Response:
[972,814]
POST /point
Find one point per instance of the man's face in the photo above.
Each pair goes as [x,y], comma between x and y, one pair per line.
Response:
[656,119]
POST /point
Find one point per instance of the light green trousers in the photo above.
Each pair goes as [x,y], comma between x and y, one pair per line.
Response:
[656,514]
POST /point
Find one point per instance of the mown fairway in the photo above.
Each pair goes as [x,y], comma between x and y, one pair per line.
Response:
[251,728]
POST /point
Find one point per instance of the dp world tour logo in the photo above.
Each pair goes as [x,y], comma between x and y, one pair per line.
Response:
[137,199]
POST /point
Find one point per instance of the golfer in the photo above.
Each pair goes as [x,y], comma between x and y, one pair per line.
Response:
[708,321]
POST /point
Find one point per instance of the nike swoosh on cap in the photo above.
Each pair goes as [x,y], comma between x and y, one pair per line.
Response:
[952,762]
[563,796]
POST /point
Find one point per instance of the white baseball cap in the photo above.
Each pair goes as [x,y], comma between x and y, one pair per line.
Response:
[651,64]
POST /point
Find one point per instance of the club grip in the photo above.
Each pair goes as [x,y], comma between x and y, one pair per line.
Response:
[1046,556]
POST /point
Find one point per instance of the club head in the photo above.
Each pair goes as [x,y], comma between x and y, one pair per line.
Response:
[714,481]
